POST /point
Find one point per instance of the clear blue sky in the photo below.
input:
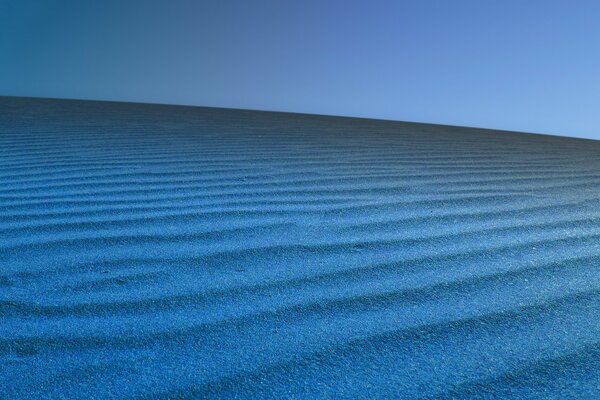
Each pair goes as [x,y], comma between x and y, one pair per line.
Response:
[520,65]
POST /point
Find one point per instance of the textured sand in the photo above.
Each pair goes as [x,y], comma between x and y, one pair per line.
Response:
[175,252]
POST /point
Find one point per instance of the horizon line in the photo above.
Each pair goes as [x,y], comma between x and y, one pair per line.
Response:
[297,113]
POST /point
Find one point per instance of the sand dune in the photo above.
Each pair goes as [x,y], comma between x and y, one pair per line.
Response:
[151,251]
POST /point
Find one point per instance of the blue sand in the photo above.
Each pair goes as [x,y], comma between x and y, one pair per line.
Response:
[151,251]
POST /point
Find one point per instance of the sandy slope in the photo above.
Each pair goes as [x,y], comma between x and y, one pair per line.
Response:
[177,252]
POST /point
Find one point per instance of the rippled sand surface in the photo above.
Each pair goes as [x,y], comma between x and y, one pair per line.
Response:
[171,252]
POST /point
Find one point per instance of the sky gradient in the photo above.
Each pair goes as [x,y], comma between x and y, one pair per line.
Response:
[518,65]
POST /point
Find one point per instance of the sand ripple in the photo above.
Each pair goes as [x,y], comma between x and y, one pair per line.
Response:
[179,252]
